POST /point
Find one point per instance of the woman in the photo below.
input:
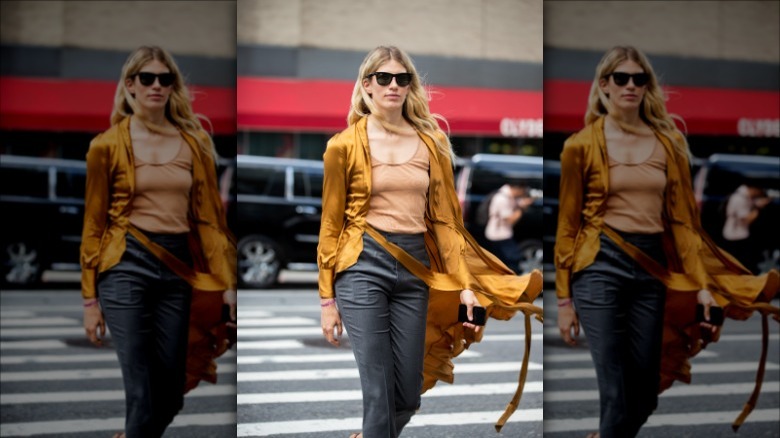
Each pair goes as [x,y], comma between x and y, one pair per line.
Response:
[152,212]
[389,198]
[628,230]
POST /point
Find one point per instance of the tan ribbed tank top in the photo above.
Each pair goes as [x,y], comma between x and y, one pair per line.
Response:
[162,194]
[399,193]
[636,194]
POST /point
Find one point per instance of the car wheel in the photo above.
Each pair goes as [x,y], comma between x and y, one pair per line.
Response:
[259,262]
[21,264]
[531,254]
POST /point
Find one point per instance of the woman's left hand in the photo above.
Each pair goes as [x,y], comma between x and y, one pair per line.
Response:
[468,298]
[704,297]
[230,298]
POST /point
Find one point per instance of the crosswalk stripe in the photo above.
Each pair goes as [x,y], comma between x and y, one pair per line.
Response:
[728,367]
[441,390]
[37,322]
[248,313]
[282,344]
[354,423]
[32,345]
[317,331]
[85,396]
[746,337]
[278,331]
[554,333]
[45,331]
[59,358]
[585,357]
[100,373]
[315,308]
[72,358]
[60,427]
[302,358]
[569,357]
[675,391]
[309,358]
[345,373]
[279,321]
[512,337]
[15,314]
[659,420]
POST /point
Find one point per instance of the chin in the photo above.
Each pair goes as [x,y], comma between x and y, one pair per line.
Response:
[393,105]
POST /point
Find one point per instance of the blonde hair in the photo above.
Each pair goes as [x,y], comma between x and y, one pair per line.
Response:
[178,109]
[653,107]
[415,109]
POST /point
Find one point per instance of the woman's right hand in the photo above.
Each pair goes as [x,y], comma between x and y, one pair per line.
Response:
[468,298]
[93,322]
[568,323]
[331,321]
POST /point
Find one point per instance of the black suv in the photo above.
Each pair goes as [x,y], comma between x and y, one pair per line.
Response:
[279,209]
[719,177]
[552,186]
[40,190]
[483,174]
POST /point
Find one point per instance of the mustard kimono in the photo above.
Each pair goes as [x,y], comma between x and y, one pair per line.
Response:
[108,201]
[694,261]
[457,261]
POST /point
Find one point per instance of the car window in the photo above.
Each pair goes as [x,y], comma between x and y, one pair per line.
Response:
[307,183]
[71,184]
[262,181]
[725,177]
[485,179]
[552,179]
[25,182]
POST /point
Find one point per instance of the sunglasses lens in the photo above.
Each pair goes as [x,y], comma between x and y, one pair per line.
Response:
[403,79]
[166,79]
[146,79]
[383,78]
[620,78]
[641,79]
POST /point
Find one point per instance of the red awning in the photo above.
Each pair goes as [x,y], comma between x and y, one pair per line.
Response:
[706,111]
[276,104]
[37,104]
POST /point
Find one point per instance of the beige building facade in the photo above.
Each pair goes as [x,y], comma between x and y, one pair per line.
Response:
[201,28]
[727,30]
[507,30]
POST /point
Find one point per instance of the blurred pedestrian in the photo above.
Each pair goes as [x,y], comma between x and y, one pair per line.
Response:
[505,209]
[392,228]
[628,229]
[152,213]
[742,209]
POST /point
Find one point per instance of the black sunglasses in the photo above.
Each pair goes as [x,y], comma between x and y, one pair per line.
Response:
[147,79]
[382,78]
[621,79]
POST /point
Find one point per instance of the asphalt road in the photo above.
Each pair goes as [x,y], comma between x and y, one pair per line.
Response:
[723,378]
[54,383]
[291,383]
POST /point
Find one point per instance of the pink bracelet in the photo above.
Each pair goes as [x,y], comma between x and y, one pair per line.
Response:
[564,302]
[328,303]
[91,303]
